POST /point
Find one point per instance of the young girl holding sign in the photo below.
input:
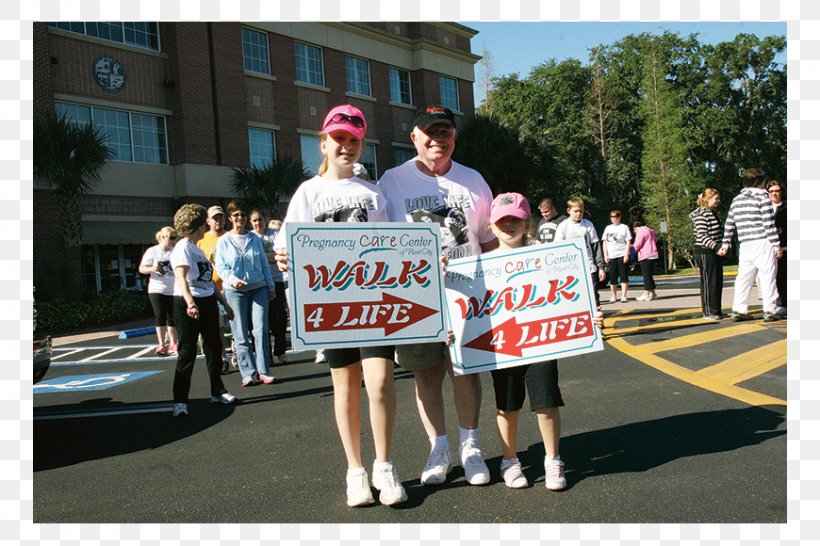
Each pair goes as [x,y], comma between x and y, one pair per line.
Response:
[336,195]
[509,216]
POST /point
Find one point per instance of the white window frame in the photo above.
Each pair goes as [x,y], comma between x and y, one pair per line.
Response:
[398,71]
[246,55]
[444,101]
[60,25]
[363,88]
[269,161]
[296,47]
[92,115]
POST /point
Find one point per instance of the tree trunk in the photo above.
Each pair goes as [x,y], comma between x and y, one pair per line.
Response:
[71,226]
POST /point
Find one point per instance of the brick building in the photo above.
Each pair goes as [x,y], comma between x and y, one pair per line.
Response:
[182,104]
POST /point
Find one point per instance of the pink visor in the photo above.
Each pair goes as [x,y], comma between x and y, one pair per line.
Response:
[345,118]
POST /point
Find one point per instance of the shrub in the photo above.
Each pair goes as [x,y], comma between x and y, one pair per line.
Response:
[59,315]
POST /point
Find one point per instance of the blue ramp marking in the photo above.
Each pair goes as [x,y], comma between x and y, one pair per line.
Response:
[93,382]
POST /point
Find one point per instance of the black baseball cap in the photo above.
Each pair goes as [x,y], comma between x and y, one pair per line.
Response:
[425,117]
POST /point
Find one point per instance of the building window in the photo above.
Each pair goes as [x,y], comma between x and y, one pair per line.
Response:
[368,159]
[448,87]
[112,267]
[262,146]
[403,155]
[139,34]
[255,51]
[400,86]
[132,136]
[309,64]
[358,75]
[311,154]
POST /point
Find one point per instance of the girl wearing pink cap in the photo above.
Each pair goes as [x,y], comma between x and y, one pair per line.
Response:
[336,195]
[509,219]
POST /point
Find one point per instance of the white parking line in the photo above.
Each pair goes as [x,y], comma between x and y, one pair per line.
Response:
[140,353]
[158,407]
[92,357]
[69,353]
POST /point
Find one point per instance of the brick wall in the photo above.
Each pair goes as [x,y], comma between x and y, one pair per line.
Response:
[191,128]
[48,242]
[43,98]
[229,74]
[286,112]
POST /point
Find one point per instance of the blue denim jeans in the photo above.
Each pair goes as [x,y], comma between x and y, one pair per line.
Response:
[250,310]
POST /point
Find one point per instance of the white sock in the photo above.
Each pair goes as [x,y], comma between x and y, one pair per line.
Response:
[465,434]
[556,458]
[440,441]
[505,463]
[356,471]
[378,465]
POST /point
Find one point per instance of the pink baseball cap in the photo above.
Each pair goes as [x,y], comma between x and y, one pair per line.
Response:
[509,204]
[345,117]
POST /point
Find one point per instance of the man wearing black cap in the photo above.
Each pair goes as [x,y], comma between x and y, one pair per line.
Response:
[433,188]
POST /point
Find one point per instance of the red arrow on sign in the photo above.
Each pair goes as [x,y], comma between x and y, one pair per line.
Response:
[510,337]
[392,314]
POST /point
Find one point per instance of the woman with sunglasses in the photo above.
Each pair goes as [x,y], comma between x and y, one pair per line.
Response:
[246,280]
[156,263]
[337,195]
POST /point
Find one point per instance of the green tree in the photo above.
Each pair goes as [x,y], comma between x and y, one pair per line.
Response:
[70,156]
[666,179]
[263,187]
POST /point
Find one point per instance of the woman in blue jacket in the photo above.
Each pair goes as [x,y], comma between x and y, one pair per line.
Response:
[246,280]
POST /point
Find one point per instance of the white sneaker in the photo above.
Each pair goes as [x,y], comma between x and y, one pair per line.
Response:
[653,297]
[513,475]
[358,489]
[180,409]
[475,469]
[438,466]
[320,357]
[623,299]
[554,478]
[386,480]
[224,398]
[613,299]
[643,297]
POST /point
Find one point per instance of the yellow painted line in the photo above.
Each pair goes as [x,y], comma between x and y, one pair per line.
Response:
[693,378]
[748,365]
[692,340]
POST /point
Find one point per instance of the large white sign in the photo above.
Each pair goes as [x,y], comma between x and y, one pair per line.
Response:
[509,308]
[364,284]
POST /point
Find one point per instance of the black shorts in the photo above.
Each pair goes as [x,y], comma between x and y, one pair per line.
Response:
[339,358]
[541,380]
[163,307]
[617,269]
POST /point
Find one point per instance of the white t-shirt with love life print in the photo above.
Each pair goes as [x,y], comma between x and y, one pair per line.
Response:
[569,229]
[459,202]
[324,200]
[200,274]
[159,283]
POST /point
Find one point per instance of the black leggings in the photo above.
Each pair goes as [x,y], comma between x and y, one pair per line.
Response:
[163,307]
[188,331]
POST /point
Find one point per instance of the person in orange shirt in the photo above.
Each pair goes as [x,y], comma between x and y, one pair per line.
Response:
[216,223]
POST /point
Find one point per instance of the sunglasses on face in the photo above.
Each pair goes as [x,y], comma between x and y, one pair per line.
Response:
[238,215]
[774,191]
[355,121]
[172,237]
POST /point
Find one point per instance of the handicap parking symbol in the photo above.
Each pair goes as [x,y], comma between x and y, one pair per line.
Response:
[94,382]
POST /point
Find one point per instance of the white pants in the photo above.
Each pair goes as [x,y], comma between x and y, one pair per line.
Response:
[756,258]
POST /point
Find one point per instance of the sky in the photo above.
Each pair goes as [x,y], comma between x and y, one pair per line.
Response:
[520,46]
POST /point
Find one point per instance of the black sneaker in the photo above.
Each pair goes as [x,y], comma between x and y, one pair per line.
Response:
[739,317]
[770,317]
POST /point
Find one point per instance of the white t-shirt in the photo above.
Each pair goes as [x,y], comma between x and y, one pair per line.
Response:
[459,202]
[324,200]
[569,229]
[159,283]
[200,271]
[615,238]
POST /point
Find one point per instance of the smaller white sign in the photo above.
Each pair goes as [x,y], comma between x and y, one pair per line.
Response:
[515,307]
[364,284]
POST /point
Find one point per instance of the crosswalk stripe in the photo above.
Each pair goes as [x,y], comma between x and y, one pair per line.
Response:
[748,365]
[140,353]
[700,338]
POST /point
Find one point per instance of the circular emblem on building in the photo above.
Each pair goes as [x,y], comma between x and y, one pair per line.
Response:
[109,73]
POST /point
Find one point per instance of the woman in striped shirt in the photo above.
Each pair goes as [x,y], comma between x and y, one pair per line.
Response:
[708,233]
